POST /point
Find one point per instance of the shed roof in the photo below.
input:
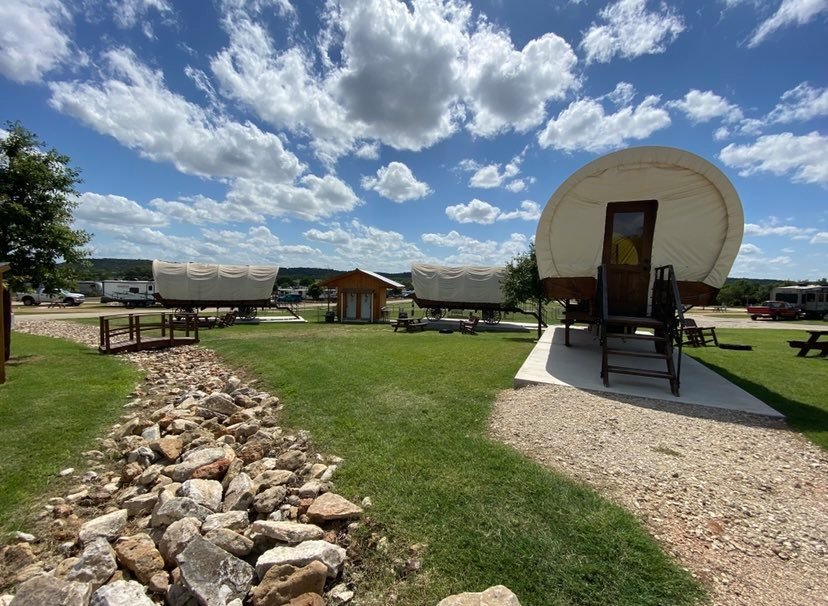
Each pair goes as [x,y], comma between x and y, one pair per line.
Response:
[386,281]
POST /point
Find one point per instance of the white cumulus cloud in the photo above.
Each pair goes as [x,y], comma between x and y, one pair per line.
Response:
[805,157]
[116,210]
[476,211]
[396,182]
[135,107]
[790,12]
[33,38]
[801,103]
[630,30]
[584,125]
[703,106]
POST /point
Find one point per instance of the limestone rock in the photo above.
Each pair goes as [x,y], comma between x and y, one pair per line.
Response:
[291,460]
[230,541]
[159,583]
[332,556]
[140,504]
[139,555]
[176,509]
[281,584]
[169,447]
[340,594]
[239,494]
[195,459]
[220,403]
[493,596]
[121,593]
[44,589]
[95,564]
[204,492]
[288,532]
[268,500]
[307,599]
[177,536]
[109,526]
[311,489]
[234,520]
[330,506]
[273,477]
[214,576]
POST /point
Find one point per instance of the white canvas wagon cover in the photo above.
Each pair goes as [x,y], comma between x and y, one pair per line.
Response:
[207,282]
[699,221]
[467,284]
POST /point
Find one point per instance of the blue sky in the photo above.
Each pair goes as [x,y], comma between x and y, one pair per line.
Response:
[374,133]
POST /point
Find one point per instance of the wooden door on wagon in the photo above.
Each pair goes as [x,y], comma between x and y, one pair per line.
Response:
[627,255]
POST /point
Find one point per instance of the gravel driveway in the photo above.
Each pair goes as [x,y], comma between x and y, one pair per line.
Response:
[739,500]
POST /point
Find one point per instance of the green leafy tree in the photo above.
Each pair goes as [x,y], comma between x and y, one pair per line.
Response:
[522,284]
[37,197]
[315,291]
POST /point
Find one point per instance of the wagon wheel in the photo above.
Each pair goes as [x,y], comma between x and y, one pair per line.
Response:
[245,311]
[492,316]
[435,313]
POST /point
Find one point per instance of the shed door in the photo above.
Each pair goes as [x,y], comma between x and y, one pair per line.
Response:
[628,250]
[365,304]
[350,306]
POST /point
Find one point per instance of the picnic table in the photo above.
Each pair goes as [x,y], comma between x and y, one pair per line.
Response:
[410,324]
[811,343]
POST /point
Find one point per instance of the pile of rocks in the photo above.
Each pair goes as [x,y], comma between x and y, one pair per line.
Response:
[197,497]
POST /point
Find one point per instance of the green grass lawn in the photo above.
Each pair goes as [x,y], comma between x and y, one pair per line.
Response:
[58,397]
[796,387]
[408,412]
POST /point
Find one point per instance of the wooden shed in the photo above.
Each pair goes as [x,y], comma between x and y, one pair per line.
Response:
[5,322]
[360,295]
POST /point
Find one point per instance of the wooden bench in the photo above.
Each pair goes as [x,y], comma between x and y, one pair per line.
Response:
[410,324]
[812,343]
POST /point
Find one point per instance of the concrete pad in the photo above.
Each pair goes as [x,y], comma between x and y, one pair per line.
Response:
[552,362]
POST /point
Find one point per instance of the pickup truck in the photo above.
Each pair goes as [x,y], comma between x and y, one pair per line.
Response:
[775,310]
[58,296]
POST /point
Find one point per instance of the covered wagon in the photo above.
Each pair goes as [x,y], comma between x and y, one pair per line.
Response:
[439,288]
[635,237]
[190,286]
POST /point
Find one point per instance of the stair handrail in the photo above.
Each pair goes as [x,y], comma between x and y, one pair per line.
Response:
[672,309]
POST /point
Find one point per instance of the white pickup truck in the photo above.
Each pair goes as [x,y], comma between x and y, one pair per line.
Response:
[57,296]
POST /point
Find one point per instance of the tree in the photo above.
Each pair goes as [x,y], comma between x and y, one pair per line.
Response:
[522,284]
[315,291]
[37,196]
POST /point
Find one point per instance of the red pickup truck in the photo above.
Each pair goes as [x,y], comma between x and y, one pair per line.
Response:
[775,310]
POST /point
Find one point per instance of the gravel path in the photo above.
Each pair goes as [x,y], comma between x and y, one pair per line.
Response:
[739,500]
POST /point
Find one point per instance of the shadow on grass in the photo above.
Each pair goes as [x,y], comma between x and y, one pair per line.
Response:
[804,417]
[19,360]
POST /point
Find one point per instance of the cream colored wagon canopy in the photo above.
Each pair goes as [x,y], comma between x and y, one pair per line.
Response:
[206,282]
[469,284]
[699,222]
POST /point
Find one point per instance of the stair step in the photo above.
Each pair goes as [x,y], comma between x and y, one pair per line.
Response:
[641,321]
[638,354]
[626,370]
[635,337]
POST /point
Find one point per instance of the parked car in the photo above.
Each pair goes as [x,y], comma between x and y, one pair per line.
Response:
[291,298]
[57,296]
[775,310]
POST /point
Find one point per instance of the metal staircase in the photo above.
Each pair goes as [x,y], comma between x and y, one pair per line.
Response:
[664,320]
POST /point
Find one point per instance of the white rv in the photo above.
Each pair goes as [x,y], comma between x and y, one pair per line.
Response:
[131,293]
[812,299]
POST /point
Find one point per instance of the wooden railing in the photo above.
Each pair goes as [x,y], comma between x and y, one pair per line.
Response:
[135,332]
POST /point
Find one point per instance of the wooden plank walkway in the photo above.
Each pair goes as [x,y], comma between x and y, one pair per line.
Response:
[138,332]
